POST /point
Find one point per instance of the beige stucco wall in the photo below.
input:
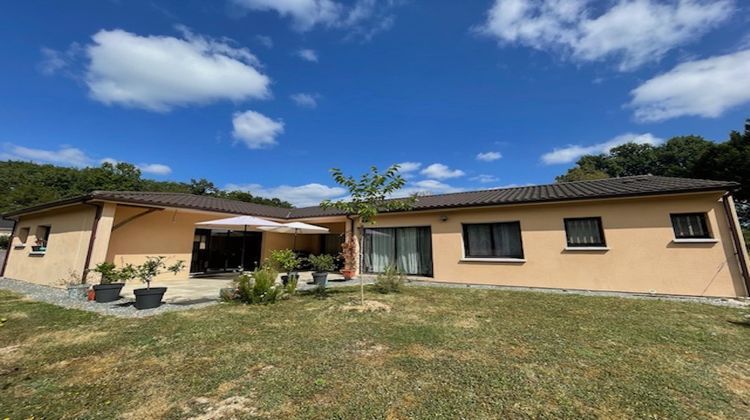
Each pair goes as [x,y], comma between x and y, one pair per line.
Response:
[638,232]
[66,248]
[167,233]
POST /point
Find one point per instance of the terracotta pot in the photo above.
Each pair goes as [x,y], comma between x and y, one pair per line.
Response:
[348,274]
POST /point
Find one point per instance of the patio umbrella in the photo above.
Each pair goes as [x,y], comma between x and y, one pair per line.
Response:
[232,223]
[295,228]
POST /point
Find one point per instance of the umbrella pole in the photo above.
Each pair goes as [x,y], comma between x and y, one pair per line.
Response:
[242,257]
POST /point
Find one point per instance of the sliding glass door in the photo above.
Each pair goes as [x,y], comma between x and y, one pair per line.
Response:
[409,249]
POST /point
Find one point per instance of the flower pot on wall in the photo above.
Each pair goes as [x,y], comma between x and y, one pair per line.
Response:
[149,298]
[78,291]
[320,279]
[108,292]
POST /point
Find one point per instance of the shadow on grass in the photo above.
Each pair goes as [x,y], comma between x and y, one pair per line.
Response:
[744,323]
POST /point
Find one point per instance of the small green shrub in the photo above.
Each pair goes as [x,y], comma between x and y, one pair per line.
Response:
[283,260]
[4,242]
[390,280]
[108,271]
[322,263]
[291,284]
[259,287]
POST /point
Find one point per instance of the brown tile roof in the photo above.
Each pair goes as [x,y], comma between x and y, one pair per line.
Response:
[565,191]
[580,190]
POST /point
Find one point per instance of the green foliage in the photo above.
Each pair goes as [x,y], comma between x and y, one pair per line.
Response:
[682,156]
[291,284]
[108,272]
[284,260]
[370,194]
[322,263]
[259,288]
[153,266]
[25,184]
[390,281]
[4,241]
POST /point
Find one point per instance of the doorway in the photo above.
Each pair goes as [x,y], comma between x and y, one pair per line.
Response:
[217,251]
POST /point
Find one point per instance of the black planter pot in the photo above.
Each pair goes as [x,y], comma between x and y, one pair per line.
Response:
[285,278]
[320,279]
[149,298]
[108,292]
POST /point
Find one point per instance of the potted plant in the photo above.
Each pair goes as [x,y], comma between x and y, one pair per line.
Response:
[321,264]
[151,297]
[110,284]
[285,260]
[349,254]
[76,289]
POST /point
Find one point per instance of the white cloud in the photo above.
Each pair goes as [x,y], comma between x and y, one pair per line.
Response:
[71,156]
[308,55]
[406,167]
[440,171]
[265,40]
[66,156]
[300,196]
[155,168]
[484,179]
[255,129]
[489,156]
[160,72]
[705,88]
[305,100]
[571,153]
[426,187]
[362,19]
[633,32]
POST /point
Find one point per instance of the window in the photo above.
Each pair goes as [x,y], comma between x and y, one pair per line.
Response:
[690,226]
[23,236]
[407,248]
[493,240]
[42,236]
[584,232]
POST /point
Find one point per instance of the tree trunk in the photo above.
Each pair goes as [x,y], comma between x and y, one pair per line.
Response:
[361,258]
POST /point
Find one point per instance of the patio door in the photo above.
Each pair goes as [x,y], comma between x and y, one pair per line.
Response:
[408,248]
[221,250]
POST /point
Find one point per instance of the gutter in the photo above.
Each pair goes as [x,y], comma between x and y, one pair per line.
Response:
[736,241]
[90,249]
[10,244]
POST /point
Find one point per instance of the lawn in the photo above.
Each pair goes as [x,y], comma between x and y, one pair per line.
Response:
[439,353]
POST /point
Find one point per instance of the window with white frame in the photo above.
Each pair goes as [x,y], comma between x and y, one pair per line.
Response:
[493,240]
[584,232]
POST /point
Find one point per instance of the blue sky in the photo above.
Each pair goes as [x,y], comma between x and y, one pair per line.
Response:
[267,95]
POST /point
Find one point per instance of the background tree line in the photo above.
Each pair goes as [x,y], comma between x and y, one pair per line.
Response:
[24,184]
[682,156]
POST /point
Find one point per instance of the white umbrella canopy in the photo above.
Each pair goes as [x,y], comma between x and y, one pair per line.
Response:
[232,223]
[295,228]
[245,222]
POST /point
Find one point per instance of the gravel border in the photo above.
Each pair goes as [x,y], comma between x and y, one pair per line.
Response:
[122,308]
[716,301]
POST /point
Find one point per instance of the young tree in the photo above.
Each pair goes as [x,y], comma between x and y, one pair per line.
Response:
[369,195]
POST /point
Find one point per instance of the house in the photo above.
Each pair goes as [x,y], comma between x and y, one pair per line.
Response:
[643,234]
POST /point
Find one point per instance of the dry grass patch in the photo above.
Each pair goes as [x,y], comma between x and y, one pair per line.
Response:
[367,306]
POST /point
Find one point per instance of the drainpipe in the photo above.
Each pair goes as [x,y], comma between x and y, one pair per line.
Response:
[94,227]
[736,240]
[10,244]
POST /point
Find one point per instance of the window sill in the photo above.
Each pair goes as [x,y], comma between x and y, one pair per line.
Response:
[20,246]
[587,248]
[495,260]
[37,253]
[695,241]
